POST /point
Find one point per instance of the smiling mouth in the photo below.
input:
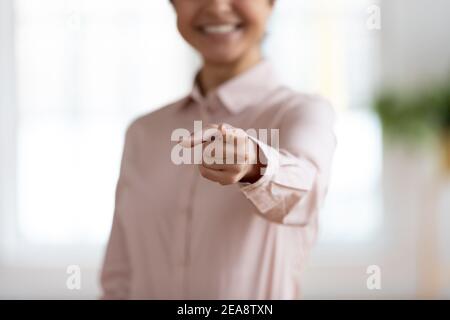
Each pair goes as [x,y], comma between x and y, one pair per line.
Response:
[220,29]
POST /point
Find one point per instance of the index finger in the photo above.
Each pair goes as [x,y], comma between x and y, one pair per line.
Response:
[207,134]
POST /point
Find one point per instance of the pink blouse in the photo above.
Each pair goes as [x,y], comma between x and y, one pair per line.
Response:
[176,235]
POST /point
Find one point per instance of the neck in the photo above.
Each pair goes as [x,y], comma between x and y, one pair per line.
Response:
[213,75]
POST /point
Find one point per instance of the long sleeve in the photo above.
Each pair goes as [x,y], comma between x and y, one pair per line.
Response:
[295,181]
[116,272]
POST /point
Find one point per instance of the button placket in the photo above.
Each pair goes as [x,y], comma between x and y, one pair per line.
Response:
[204,116]
[186,214]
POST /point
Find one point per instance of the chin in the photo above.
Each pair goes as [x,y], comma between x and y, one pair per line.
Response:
[221,57]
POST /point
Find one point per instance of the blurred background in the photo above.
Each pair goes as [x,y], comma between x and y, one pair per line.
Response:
[74,73]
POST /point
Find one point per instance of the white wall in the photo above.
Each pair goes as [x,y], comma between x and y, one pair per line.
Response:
[8,122]
[415,44]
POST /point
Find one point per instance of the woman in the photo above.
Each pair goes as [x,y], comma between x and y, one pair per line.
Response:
[221,230]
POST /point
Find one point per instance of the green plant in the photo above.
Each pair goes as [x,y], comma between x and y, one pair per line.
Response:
[415,116]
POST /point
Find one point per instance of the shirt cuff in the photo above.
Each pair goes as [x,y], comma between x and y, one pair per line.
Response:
[259,192]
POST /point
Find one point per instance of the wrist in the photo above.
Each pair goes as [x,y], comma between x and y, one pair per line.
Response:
[254,169]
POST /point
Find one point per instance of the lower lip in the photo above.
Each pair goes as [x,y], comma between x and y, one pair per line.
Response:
[223,36]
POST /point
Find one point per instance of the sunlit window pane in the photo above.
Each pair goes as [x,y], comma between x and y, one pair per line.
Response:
[85,70]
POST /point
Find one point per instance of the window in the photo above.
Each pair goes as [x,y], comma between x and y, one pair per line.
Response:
[85,69]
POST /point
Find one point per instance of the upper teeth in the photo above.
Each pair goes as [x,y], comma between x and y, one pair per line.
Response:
[223,28]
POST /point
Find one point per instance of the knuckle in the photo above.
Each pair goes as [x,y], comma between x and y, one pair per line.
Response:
[235,169]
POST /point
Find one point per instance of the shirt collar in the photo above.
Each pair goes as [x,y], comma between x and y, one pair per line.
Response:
[245,90]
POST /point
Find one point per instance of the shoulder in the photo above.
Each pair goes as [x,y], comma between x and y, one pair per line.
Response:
[306,107]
